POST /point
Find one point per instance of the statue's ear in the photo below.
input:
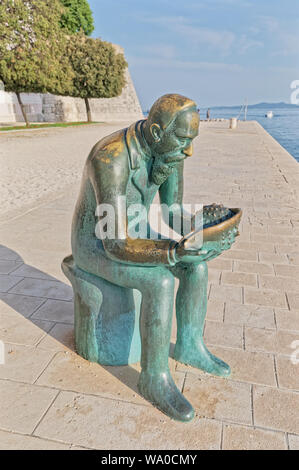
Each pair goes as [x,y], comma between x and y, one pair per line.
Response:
[156,132]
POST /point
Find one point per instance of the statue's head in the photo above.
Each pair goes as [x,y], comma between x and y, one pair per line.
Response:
[172,124]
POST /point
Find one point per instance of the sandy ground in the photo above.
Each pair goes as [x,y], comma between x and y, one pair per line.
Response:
[36,164]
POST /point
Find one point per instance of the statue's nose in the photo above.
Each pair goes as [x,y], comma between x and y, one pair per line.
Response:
[188,151]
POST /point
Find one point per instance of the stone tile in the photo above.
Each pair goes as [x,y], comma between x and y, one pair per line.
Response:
[287,248]
[29,271]
[215,310]
[276,342]
[217,398]
[293,258]
[287,319]
[250,438]
[265,257]
[250,315]
[264,297]
[7,282]
[294,442]
[287,372]
[221,263]
[293,300]
[68,371]
[8,266]
[13,304]
[101,423]
[60,338]
[280,230]
[256,246]
[43,288]
[220,334]
[214,276]
[245,366]
[253,267]
[11,441]
[257,237]
[239,279]
[286,270]
[23,405]
[24,363]
[18,330]
[56,311]
[226,293]
[279,283]
[8,254]
[276,409]
[241,254]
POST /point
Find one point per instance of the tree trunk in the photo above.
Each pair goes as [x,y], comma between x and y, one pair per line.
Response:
[88,111]
[22,109]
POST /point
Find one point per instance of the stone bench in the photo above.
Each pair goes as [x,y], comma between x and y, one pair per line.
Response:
[106,318]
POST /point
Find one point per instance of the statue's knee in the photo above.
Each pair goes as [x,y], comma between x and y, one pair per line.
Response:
[160,281]
[199,271]
[166,281]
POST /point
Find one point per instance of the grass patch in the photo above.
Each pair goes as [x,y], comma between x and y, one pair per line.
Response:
[41,126]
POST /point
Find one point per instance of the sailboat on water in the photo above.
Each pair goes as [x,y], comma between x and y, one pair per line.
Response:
[269,114]
[243,109]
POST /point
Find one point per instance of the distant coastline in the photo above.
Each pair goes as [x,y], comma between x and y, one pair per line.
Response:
[262,105]
[279,105]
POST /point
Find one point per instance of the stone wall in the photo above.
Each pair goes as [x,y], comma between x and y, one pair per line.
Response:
[122,108]
[10,110]
[52,108]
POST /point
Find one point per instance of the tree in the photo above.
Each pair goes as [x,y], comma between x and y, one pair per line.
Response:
[99,70]
[77,16]
[32,48]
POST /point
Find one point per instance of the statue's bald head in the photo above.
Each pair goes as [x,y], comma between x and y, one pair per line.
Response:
[172,124]
[165,110]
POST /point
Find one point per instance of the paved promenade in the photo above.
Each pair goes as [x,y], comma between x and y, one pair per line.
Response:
[53,399]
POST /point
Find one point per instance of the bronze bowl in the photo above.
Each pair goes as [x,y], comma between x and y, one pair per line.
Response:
[220,231]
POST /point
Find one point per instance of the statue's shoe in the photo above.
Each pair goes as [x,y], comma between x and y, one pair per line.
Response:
[161,391]
[201,358]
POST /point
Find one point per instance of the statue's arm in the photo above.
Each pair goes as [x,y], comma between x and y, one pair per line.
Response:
[109,182]
[171,197]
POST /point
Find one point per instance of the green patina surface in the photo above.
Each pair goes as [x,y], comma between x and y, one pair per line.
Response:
[124,287]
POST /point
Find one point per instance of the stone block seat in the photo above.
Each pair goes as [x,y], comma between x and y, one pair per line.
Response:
[106,318]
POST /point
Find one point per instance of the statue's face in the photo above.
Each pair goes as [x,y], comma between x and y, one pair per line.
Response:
[174,144]
[176,140]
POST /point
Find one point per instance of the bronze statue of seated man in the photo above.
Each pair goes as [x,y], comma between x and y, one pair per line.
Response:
[136,163]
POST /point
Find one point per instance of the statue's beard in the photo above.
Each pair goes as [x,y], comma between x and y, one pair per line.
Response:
[160,171]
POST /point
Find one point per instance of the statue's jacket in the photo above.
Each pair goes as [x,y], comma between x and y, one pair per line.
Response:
[117,169]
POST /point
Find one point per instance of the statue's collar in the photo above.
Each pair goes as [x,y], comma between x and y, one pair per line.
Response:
[136,144]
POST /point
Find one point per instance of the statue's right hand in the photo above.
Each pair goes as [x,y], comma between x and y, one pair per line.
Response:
[194,256]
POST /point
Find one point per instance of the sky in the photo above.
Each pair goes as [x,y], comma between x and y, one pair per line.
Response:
[217,52]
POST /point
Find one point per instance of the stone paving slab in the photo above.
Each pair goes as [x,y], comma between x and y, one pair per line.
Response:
[217,398]
[12,441]
[53,399]
[245,438]
[108,424]
[250,367]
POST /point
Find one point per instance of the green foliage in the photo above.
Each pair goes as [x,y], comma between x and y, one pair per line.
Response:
[77,16]
[99,69]
[32,47]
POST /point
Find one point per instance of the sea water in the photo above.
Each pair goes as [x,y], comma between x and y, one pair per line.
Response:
[284,126]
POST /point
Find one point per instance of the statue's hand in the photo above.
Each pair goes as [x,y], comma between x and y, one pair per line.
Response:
[195,256]
[208,251]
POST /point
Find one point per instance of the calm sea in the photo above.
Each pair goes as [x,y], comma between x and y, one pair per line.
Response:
[284,126]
